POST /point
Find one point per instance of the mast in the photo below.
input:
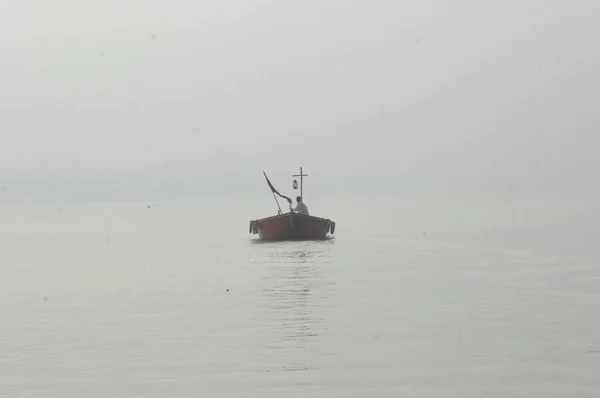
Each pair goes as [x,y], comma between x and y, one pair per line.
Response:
[301,175]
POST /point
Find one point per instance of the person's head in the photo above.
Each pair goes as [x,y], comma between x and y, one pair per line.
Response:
[298,199]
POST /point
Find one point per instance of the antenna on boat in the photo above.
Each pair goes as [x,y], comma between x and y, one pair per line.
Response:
[296,182]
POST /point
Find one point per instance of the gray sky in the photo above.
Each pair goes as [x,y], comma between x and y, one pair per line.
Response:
[433,95]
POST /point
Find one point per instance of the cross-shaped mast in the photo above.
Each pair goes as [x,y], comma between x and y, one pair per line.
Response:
[301,175]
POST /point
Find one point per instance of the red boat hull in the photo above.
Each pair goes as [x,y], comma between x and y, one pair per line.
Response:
[292,226]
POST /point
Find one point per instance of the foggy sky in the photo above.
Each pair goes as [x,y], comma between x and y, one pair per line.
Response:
[389,96]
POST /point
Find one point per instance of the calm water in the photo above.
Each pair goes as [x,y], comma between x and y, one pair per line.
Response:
[410,299]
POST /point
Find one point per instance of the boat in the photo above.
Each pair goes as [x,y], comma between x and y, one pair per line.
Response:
[291,225]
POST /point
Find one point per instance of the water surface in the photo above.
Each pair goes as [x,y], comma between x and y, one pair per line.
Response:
[177,300]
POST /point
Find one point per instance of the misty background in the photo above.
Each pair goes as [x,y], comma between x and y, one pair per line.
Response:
[149,99]
[453,143]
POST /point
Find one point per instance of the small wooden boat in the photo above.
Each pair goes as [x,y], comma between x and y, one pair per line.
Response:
[292,225]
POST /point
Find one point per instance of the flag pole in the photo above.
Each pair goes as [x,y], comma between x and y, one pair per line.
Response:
[276,201]
[272,191]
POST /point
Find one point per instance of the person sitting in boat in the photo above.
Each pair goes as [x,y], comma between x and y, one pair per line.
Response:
[301,207]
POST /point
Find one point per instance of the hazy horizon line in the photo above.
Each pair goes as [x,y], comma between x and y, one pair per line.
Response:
[112,186]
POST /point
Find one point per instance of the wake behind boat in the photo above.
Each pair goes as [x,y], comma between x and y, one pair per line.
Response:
[293,225]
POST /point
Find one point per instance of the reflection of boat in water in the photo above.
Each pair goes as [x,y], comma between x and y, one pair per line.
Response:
[296,296]
[291,226]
